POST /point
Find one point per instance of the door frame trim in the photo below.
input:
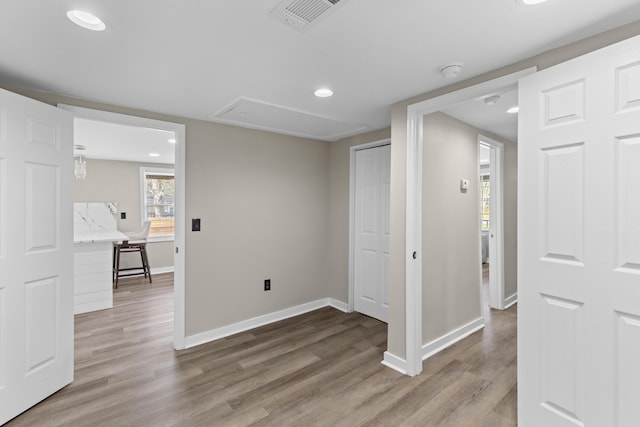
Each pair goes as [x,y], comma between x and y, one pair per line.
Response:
[413,230]
[179,330]
[352,207]
[496,179]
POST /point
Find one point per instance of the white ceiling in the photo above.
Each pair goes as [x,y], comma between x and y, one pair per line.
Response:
[491,117]
[112,141]
[195,58]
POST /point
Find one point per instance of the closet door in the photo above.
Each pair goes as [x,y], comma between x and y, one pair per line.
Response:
[371,257]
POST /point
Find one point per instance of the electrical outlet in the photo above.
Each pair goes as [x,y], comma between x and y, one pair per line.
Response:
[267,284]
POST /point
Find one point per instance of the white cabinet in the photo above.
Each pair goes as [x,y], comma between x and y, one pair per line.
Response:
[92,264]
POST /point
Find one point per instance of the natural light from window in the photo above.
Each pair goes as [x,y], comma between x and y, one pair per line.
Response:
[158,198]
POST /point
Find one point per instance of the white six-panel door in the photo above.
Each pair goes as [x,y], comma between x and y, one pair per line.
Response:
[579,242]
[371,257]
[36,252]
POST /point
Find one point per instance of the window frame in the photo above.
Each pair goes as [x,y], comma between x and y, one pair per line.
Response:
[144,171]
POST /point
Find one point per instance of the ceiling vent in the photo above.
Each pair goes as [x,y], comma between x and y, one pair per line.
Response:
[300,14]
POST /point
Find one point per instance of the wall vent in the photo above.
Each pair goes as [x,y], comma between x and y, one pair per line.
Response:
[300,14]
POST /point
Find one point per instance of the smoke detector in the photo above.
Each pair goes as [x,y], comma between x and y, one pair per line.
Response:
[300,14]
[492,100]
[450,71]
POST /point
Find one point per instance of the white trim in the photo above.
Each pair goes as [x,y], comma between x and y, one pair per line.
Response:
[162,270]
[496,228]
[511,300]
[180,175]
[352,209]
[394,362]
[413,232]
[433,347]
[338,305]
[245,325]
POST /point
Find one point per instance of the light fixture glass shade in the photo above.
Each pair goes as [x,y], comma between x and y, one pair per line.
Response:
[80,167]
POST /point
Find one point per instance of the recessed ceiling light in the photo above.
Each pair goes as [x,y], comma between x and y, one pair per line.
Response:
[529,2]
[86,20]
[323,92]
[513,110]
[172,141]
[154,155]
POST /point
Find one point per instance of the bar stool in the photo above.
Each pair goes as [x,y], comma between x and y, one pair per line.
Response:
[137,243]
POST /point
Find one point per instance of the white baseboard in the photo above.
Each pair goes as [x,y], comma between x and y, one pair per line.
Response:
[339,305]
[508,302]
[160,270]
[245,325]
[394,362]
[439,344]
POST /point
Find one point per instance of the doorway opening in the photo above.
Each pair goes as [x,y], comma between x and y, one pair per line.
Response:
[491,171]
[414,193]
[175,133]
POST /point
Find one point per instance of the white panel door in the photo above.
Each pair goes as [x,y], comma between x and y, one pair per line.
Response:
[579,242]
[371,258]
[36,252]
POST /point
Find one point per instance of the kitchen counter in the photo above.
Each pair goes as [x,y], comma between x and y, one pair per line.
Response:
[98,236]
[93,269]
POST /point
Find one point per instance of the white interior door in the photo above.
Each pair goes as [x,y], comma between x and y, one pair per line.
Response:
[579,242]
[371,246]
[36,252]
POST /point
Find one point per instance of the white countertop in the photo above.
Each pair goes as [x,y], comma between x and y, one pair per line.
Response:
[99,236]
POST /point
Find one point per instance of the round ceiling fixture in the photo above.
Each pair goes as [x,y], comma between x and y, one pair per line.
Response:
[154,155]
[450,71]
[323,92]
[513,110]
[86,20]
[531,2]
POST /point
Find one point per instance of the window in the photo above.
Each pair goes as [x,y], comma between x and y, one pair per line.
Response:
[158,197]
[485,185]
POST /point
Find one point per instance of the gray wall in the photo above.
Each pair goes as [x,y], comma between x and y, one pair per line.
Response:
[117,181]
[510,205]
[263,200]
[450,226]
[451,263]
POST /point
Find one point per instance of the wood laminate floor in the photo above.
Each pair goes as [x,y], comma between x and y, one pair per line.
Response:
[318,369]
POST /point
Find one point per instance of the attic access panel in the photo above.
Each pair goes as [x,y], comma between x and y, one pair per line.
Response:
[250,113]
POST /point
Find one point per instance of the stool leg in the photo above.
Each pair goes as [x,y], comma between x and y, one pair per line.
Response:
[113,264]
[145,262]
[117,269]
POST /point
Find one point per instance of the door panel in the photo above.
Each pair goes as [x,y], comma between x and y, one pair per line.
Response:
[372,231]
[36,250]
[579,241]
